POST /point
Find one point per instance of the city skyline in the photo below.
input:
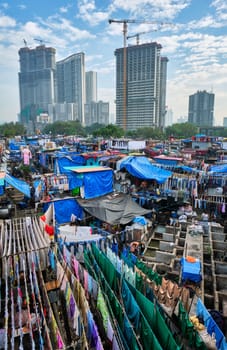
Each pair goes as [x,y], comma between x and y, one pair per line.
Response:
[195,44]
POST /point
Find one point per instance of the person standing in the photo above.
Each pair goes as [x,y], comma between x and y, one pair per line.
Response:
[73,222]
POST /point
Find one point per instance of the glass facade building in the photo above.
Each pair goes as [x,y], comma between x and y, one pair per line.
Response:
[201,108]
[71,82]
[37,81]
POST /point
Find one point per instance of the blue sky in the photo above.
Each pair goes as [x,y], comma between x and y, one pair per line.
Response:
[195,43]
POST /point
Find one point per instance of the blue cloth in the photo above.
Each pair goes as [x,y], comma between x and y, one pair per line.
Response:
[211,325]
[141,220]
[20,185]
[191,270]
[52,259]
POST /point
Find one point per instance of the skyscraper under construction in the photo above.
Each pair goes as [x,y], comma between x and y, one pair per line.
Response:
[141,94]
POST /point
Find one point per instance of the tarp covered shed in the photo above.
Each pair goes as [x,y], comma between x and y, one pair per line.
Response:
[142,168]
[67,160]
[95,180]
[113,209]
[20,185]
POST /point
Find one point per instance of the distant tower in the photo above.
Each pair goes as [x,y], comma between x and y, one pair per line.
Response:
[201,108]
[37,81]
[71,82]
[162,94]
[91,87]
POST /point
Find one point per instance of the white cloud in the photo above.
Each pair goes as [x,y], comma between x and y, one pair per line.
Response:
[88,13]
[152,9]
[6,21]
[22,7]
[220,5]
[63,9]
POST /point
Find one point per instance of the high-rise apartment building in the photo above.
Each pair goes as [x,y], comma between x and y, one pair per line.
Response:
[201,108]
[97,112]
[162,94]
[37,82]
[138,94]
[71,82]
[91,86]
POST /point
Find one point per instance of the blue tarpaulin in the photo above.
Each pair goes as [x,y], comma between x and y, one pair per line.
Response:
[140,220]
[64,208]
[187,168]
[211,325]
[191,270]
[20,185]
[95,183]
[222,168]
[61,163]
[142,168]
[170,162]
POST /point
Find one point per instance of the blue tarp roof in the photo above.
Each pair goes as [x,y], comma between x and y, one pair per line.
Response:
[62,164]
[219,168]
[187,168]
[95,183]
[20,185]
[170,162]
[142,168]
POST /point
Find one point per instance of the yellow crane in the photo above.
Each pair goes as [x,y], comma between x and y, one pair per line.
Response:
[125,30]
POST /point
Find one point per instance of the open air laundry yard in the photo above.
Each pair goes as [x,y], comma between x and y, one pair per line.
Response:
[112,249]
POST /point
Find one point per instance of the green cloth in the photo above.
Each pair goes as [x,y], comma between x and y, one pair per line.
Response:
[147,337]
[106,266]
[156,322]
[139,282]
[186,325]
[152,275]
[101,305]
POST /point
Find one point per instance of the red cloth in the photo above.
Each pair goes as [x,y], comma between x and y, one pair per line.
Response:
[49,230]
[43,218]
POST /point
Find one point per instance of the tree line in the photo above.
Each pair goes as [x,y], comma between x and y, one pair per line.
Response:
[178,130]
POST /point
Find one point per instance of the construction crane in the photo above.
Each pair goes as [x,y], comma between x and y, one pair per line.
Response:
[137,35]
[125,30]
[41,41]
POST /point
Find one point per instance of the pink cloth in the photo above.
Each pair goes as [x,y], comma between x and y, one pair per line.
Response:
[86,282]
[26,156]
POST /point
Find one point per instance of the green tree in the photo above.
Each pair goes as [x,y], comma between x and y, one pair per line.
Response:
[92,128]
[181,130]
[110,130]
[65,128]
[12,129]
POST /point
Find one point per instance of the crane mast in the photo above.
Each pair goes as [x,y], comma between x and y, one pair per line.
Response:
[125,29]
